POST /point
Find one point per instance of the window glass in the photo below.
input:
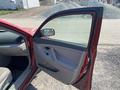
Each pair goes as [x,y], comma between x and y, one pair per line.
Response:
[73,28]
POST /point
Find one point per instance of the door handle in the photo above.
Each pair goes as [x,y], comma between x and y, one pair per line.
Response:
[51,51]
[53,54]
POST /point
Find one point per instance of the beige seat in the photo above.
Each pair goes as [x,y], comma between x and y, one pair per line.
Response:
[5,78]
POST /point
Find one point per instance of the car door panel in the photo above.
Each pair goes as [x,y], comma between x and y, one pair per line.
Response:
[69,57]
[65,60]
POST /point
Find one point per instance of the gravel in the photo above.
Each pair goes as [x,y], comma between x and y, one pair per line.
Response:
[110,12]
[107,68]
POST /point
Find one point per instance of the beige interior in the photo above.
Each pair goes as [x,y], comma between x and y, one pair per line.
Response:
[5,78]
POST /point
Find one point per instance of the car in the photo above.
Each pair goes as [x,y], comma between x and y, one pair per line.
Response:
[64,46]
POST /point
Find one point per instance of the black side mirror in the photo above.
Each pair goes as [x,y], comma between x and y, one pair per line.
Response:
[47,32]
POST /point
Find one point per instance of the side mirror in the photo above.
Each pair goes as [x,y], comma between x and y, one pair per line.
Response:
[47,32]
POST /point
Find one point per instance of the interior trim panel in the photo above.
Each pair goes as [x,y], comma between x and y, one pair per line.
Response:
[13,50]
[67,61]
[80,47]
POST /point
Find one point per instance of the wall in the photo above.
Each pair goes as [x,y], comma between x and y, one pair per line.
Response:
[33,3]
[29,3]
[19,3]
[47,2]
[25,4]
[16,4]
[8,4]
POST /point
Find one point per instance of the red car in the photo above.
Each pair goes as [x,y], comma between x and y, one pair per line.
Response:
[64,46]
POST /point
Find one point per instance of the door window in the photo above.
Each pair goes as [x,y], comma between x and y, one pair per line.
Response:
[72,28]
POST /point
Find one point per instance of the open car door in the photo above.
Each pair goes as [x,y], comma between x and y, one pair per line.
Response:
[69,54]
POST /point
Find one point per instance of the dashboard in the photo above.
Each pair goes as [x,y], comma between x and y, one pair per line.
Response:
[12,44]
[10,38]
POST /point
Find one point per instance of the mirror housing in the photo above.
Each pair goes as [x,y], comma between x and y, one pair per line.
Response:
[47,32]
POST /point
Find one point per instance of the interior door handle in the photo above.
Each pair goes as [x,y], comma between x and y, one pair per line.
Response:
[53,54]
